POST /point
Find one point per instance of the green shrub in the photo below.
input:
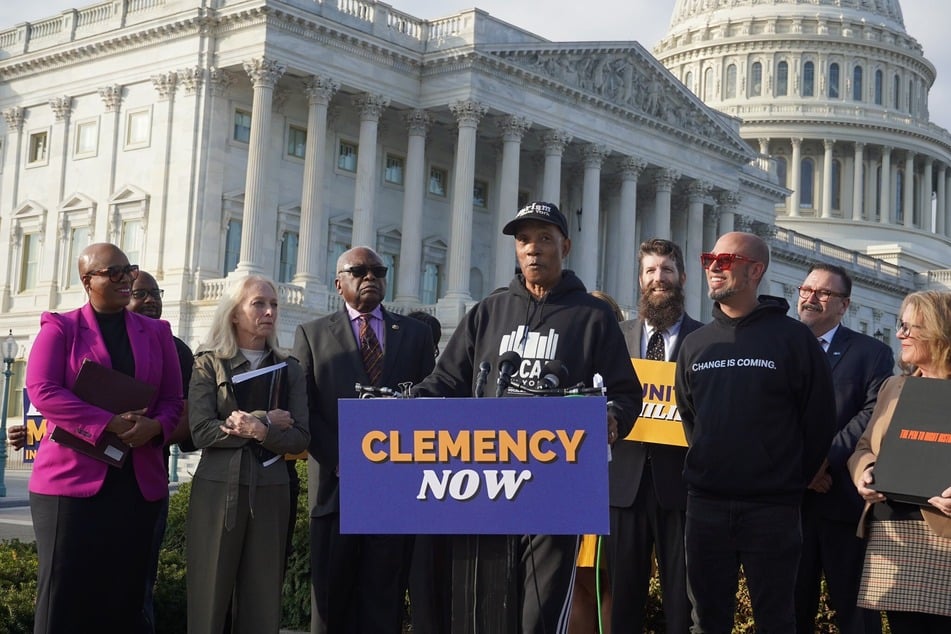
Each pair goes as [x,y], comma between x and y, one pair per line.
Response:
[18,566]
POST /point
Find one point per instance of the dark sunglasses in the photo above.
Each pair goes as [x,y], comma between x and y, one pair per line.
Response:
[116,273]
[724,260]
[360,270]
[155,293]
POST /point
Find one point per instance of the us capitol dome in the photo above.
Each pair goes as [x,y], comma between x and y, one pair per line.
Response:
[836,93]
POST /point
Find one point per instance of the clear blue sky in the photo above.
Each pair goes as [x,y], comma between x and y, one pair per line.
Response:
[570,20]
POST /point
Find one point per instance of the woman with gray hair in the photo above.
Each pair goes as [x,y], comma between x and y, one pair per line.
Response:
[239,508]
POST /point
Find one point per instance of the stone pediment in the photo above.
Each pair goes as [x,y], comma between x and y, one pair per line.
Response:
[630,78]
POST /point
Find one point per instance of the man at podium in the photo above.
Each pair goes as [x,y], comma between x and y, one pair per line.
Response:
[544,315]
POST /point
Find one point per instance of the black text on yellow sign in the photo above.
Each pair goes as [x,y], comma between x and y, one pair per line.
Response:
[659,421]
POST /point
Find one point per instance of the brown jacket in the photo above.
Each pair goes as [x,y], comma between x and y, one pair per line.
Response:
[866,452]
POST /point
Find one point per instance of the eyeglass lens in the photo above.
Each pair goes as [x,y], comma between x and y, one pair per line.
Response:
[361,270]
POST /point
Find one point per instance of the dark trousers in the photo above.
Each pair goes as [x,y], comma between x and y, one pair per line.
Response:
[918,623]
[636,532]
[358,579]
[548,575]
[148,604]
[831,548]
[93,558]
[766,539]
[430,584]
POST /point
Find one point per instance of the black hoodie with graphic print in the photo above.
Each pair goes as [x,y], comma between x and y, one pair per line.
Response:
[567,325]
[757,402]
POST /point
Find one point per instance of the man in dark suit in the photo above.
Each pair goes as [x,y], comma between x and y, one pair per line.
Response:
[832,507]
[357,578]
[648,494]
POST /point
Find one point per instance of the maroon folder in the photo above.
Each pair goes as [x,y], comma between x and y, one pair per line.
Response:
[114,392]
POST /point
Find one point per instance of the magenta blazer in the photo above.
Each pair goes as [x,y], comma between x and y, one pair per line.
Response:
[64,341]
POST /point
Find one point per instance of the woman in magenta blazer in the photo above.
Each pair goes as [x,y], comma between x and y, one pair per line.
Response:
[94,522]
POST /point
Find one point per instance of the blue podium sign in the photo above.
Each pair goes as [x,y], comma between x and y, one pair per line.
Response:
[474,466]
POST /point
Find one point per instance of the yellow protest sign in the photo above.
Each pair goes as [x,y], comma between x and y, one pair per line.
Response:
[659,421]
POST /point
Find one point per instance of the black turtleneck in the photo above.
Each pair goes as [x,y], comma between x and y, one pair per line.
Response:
[116,338]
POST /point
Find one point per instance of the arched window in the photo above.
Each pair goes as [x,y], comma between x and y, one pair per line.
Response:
[688,81]
[833,81]
[708,85]
[896,92]
[756,80]
[807,183]
[879,80]
[878,191]
[782,79]
[911,96]
[857,83]
[808,80]
[781,170]
[837,184]
[731,81]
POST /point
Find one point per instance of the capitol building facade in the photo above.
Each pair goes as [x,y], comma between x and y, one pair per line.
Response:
[215,139]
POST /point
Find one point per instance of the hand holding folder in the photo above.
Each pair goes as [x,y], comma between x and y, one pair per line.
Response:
[114,392]
[263,389]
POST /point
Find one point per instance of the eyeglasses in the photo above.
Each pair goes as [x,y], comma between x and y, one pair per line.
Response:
[361,270]
[116,273]
[903,328]
[154,293]
[724,260]
[822,294]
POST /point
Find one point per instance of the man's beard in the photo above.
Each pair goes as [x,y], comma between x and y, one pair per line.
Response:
[662,311]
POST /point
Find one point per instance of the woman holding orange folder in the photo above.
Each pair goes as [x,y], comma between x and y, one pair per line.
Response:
[239,508]
[907,570]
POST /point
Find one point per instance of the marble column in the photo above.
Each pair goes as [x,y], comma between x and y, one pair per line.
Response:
[12,159]
[858,200]
[468,114]
[48,282]
[163,112]
[727,202]
[908,191]
[828,146]
[663,185]
[554,142]
[593,156]
[364,197]
[940,225]
[414,192]
[763,146]
[312,245]
[947,204]
[885,189]
[697,193]
[795,176]
[112,103]
[926,221]
[513,129]
[626,277]
[264,73]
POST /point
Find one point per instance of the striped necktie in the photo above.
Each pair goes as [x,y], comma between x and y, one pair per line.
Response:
[370,350]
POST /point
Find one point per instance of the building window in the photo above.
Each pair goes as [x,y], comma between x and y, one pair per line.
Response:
[78,240]
[39,148]
[232,246]
[347,156]
[438,179]
[393,172]
[896,91]
[756,80]
[898,196]
[833,81]
[288,261]
[837,184]
[879,87]
[429,290]
[688,81]
[87,139]
[390,262]
[708,85]
[782,79]
[781,170]
[137,128]
[731,81]
[29,262]
[910,103]
[807,183]
[130,241]
[480,194]
[809,80]
[242,126]
[296,141]
[857,83]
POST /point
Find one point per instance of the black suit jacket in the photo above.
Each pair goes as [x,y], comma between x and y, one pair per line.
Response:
[860,364]
[332,364]
[629,457]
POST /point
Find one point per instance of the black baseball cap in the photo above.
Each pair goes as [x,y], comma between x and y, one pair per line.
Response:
[540,211]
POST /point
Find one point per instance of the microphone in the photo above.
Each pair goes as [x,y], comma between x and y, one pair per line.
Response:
[481,378]
[554,373]
[508,364]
